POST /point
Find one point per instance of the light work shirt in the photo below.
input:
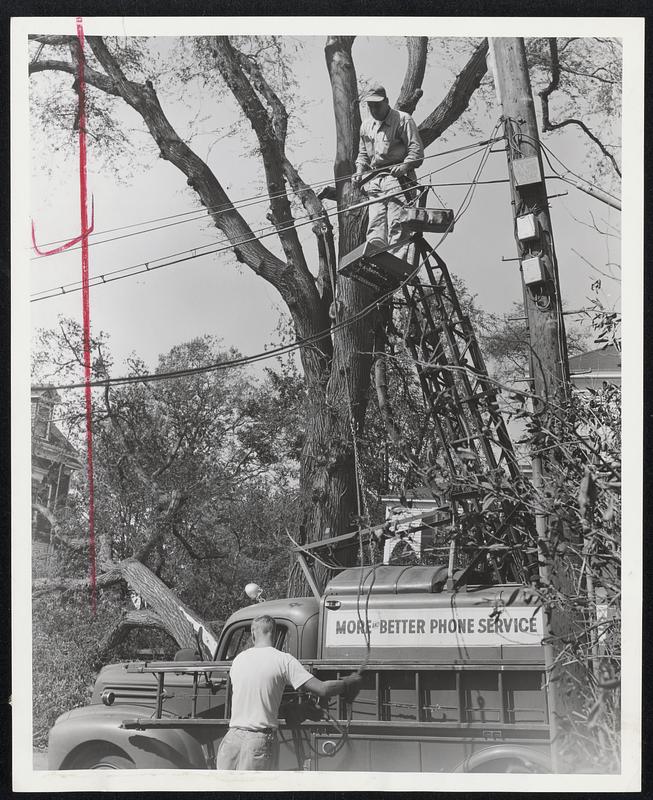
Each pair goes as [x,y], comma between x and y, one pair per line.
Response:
[258,677]
[394,140]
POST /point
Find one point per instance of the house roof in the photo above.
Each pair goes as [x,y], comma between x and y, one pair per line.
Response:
[417,493]
[59,440]
[604,359]
[56,450]
[47,393]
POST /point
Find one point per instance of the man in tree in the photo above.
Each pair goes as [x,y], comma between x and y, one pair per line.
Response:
[258,678]
[391,147]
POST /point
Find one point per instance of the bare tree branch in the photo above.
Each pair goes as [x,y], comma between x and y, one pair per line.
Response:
[594,75]
[457,98]
[51,39]
[212,555]
[230,67]
[305,193]
[547,125]
[411,89]
[143,98]
[104,580]
[278,113]
[91,76]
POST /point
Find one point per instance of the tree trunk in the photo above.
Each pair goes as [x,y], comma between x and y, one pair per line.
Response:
[174,616]
[347,388]
[130,620]
[180,621]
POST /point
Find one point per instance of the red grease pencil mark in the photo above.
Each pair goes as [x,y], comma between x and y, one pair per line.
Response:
[83,203]
[67,244]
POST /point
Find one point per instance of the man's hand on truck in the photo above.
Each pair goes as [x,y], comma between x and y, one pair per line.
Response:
[348,687]
[352,686]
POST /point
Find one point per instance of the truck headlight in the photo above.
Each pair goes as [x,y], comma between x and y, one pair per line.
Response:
[108,697]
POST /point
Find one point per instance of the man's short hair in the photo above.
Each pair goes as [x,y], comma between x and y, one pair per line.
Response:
[263,624]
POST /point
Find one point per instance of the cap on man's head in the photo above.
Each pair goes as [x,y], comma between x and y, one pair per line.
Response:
[376,94]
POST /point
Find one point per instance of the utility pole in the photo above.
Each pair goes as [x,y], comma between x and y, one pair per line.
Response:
[549,368]
[533,232]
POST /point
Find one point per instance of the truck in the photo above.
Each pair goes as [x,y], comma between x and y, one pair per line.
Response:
[453,681]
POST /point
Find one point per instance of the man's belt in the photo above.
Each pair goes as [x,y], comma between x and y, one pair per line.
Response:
[375,173]
[255,730]
[406,183]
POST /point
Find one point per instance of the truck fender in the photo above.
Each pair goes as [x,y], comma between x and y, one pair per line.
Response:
[532,760]
[82,736]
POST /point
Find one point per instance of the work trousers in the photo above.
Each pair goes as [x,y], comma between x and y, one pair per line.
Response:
[385,217]
[384,221]
[248,750]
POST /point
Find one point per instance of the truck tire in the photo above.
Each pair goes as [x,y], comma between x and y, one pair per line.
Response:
[102,758]
[112,761]
[508,765]
[505,759]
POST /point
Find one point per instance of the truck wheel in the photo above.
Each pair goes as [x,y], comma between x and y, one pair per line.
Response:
[111,761]
[97,758]
[508,765]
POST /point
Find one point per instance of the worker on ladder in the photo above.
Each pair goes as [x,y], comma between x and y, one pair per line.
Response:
[389,153]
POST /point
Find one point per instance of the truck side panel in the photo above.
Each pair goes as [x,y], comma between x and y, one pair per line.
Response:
[85,735]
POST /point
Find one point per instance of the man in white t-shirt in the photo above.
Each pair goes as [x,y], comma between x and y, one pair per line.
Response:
[258,677]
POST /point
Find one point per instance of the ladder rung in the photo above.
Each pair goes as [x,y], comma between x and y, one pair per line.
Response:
[466,439]
[437,287]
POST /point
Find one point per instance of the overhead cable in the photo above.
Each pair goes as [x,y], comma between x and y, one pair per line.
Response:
[282,350]
[223,208]
[584,184]
[152,265]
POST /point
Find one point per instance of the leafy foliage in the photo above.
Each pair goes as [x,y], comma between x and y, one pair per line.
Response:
[65,655]
[219,444]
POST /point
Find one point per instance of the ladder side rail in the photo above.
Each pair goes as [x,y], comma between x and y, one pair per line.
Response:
[472,409]
[503,440]
[492,409]
[439,355]
[429,374]
[437,366]
[480,369]
[433,368]
[425,370]
[438,417]
[434,361]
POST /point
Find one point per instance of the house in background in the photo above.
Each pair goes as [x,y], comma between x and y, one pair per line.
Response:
[590,370]
[54,460]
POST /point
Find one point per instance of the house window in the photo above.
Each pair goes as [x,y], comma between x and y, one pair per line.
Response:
[41,419]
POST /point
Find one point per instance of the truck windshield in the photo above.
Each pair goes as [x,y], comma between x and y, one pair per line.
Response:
[240,639]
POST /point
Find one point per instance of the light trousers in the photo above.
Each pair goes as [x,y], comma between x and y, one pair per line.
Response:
[384,220]
[250,750]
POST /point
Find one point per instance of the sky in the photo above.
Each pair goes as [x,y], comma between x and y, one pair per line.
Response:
[149,313]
